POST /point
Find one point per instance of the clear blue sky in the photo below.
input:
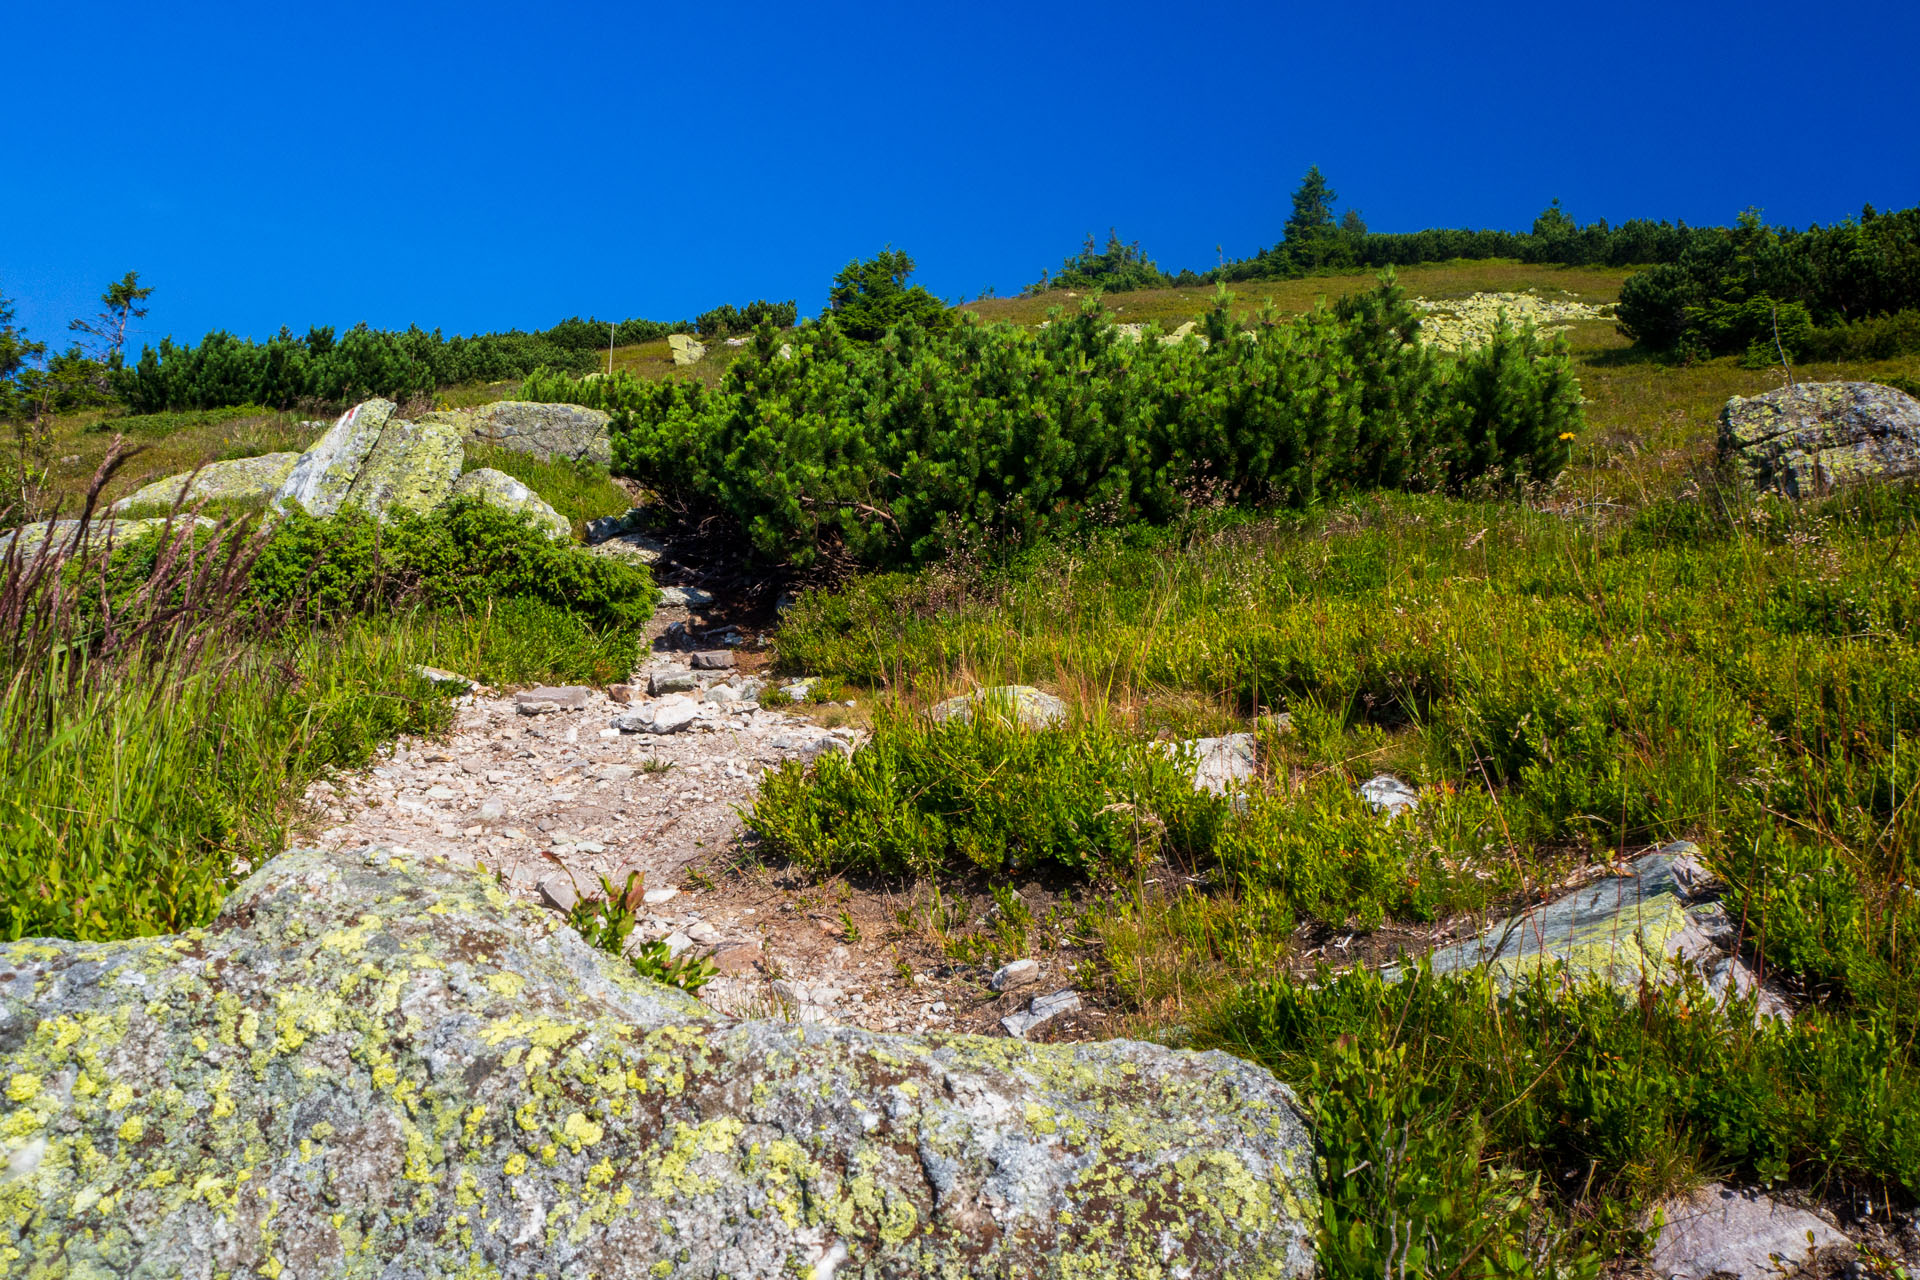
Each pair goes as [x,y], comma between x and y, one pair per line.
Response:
[482,166]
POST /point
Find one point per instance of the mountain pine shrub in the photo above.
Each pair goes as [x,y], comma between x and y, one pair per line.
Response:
[978,435]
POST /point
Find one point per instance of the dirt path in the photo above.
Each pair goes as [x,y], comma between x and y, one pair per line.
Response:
[551,794]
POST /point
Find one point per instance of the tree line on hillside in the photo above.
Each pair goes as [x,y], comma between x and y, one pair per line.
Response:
[1850,290]
[321,367]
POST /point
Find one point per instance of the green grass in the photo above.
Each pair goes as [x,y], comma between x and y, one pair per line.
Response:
[1641,652]
[580,491]
[1456,1127]
[167,443]
[1171,307]
[158,779]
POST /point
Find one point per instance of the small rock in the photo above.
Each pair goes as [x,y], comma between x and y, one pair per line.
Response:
[1222,764]
[740,957]
[713,660]
[654,897]
[1017,974]
[1388,795]
[678,943]
[685,350]
[685,597]
[1043,1009]
[441,793]
[1030,708]
[670,717]
[540,702]
[601,528]
[472,765]
[703,933]
[436,676]
[492,810]
[613,772]
[559,892]
[620,693]
[675,680]
[723,693]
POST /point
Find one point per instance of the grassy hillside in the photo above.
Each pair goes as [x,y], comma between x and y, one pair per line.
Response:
[1571,673]
[1642,652]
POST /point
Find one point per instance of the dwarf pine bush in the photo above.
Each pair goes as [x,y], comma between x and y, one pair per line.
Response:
[979,435]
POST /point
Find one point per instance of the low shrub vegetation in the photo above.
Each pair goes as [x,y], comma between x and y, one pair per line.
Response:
[1564,691]
[1753,290]
[325,368]
[984,436]
[167,704]
[461,555]
[1456,1126]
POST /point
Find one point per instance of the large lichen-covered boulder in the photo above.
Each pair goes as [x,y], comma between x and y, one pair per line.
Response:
[502,490]
[411,468]
[322,477]
[376,1064]
[1814,438]
[235,478]
[546,431]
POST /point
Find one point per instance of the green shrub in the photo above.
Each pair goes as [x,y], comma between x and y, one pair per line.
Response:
[321,367]
[727,320]
[1729,286]
[922,798]
[1118,268]
[1871,338]
[460,555]
[989,437]
[871,296]
[1589,1089]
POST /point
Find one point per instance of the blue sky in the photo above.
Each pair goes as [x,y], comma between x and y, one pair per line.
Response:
[483,166]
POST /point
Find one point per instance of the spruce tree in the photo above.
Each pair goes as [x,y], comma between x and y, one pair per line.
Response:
[1312,216]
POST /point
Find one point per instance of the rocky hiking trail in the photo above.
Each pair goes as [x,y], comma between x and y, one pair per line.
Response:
[552,789]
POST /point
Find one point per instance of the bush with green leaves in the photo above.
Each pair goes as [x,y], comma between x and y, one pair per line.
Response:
[988,436]
[985,795]
[1455,1127]
[1118,268]
[1312,242]
[463,555]
[871,296]
[1729,288]
[726,320]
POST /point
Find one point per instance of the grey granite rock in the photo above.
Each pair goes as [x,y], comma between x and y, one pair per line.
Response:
[546,431]
[1650,924]
[1814,438]
[374,1064]
[1743,1234]
[322,477]
[235,478]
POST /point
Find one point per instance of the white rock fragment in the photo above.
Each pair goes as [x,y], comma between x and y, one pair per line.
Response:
[1388,795]
[1017,974]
